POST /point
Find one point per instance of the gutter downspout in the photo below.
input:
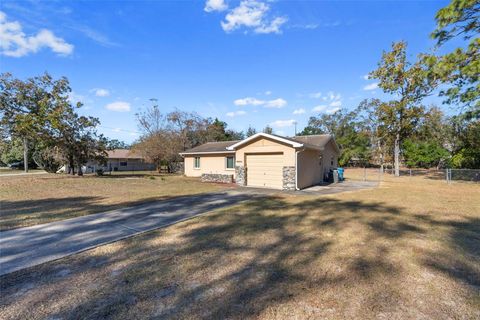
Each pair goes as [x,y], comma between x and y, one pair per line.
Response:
[296,168]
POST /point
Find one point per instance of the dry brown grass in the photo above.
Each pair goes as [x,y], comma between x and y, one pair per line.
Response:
[9,171]
[407,250]
[31,200]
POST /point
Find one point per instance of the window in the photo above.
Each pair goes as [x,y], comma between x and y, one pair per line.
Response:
[230,162]
[196,163]
[331,161]
[123,163]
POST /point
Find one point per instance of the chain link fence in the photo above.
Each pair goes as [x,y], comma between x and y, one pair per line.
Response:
[447,175]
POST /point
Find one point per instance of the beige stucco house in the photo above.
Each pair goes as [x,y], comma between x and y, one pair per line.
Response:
[265,160]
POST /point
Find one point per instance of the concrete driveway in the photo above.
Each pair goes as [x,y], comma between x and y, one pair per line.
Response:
[26,247]
[344,186]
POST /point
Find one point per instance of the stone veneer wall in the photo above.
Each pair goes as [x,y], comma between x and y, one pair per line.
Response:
[289,178]
[240,176]
[215,177]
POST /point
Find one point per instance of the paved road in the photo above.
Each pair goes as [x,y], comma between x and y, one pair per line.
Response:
[26,247]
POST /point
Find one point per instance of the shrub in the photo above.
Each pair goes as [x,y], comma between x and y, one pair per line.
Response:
[49,158]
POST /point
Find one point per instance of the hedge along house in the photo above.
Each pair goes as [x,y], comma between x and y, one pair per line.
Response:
[265,160]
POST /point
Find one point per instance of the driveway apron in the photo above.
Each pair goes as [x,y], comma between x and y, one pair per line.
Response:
[26,247]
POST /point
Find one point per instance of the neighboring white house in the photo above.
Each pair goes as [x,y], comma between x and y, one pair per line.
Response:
[122,160]
[118,160]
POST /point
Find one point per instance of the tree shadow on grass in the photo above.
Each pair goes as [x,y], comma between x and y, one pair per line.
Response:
[464,237]
[241,261]
[235,264]
[17,214]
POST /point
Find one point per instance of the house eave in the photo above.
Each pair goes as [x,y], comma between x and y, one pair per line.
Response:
[205,152]
[265,135]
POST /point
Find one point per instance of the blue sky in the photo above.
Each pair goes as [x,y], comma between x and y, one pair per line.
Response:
[246,62]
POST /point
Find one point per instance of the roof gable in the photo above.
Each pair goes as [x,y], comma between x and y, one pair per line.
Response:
[284,140]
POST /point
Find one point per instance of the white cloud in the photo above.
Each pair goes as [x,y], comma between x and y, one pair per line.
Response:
[215,5]
[332,111]
[299,111]
[365,77]
[95,36]
[236,113]
[252,14]
[283,123]
[272,27]
[14,42]
[277,103]
[371,86]
[316,95]
[73,98]
[336,103]
[118,106]
[319,108]
[267,93]
[117,130]
[310,26]
[248,101]
[101,92]
[332,24]
[333,97]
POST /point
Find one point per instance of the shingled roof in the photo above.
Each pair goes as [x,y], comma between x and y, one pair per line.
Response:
[123,154]
[211,147]
[317,142]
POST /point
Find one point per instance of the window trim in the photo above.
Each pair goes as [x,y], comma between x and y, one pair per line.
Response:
[195,163]
[226,163]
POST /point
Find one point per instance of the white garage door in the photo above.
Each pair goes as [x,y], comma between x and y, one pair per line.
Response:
[265,170]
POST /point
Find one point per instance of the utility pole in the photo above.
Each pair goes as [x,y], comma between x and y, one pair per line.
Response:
[295,123]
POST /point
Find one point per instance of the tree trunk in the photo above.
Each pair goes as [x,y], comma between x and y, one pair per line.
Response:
[25,154]
[381,158]
[71,167]
[397,155]
[80,172]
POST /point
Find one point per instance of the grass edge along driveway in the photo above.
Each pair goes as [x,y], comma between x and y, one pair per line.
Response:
[28,200]
[406,250]
[31,246]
